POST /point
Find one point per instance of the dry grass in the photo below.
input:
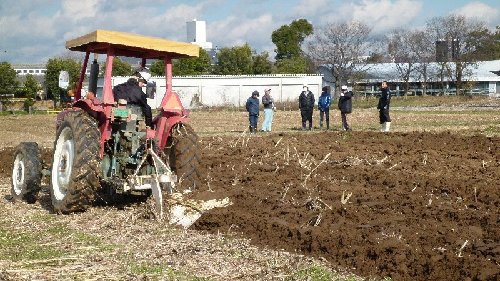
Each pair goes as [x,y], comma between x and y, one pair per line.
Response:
[113,243]
[459,114]
[475,116]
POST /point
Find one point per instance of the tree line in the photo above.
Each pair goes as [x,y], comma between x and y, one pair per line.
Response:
[447,47]
[343,49]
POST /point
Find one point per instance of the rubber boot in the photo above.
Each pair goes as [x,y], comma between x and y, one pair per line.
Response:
[387,126]
[303,126]
[321,124]
[382,127]
[327,124]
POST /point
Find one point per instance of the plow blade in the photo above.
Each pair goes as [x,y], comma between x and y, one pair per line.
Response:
[186,212]
[182,211]
[174,206]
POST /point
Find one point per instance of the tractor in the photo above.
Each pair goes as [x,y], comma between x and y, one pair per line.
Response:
[103,147]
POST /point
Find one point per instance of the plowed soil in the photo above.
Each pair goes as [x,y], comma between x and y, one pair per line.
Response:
[405,205]
[412,206]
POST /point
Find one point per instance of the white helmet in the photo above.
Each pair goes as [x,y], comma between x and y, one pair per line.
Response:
[344,87]
[142,74]
[145,75]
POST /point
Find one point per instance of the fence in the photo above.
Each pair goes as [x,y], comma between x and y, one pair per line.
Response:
[233,90]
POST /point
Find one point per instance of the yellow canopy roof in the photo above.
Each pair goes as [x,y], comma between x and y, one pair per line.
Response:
[132,45]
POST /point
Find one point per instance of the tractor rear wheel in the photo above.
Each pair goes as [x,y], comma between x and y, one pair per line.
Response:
[76,165]
[26,172]
[184,159]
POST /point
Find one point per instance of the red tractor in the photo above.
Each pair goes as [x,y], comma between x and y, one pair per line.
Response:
[103,147]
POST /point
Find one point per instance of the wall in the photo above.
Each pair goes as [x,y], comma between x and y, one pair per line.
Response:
[229,90]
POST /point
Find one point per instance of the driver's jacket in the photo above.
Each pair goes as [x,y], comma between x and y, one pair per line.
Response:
[133,94]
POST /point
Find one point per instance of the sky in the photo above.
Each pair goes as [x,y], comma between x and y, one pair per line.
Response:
[32,31]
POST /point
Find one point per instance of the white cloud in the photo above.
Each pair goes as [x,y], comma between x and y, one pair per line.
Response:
[235,31]
[40,30]
[173,21]
[32,30]
[76,10]
[310,8]
[383,15]
[481,11]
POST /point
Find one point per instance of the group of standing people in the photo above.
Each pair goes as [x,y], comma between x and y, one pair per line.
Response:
[252,107]
[306,106]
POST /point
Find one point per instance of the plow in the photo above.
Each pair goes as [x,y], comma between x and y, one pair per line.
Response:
[104,147]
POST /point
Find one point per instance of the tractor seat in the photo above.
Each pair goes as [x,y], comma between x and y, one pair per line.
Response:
[136,110]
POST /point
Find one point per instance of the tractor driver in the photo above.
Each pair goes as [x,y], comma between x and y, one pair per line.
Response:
[131,91]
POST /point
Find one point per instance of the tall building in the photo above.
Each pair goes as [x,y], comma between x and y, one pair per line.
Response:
[197,33]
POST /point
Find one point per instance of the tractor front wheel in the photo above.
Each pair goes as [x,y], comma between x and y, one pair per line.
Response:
[26,172]
[76,164]
[183,154]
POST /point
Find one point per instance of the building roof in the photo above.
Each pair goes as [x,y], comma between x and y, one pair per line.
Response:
[28,66]
[488,70]
[485,71]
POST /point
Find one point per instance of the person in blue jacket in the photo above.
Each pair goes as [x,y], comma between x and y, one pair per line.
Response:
[324,102]
[252,107]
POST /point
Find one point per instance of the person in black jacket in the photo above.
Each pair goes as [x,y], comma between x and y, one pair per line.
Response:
[252,107]
[383,107]
[306,105]
[345,106]
[131,91]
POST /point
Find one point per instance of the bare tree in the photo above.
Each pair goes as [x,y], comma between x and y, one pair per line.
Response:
[402,52]
[412,53]
[458,32]
[423,47]
[340,47]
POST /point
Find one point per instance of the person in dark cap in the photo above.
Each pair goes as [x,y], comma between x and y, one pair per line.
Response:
[345,106]
[324,102]
[252,107]
[383,107]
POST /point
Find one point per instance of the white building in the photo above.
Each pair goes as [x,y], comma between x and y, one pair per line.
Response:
[483,79]
[33,69]
[197,33]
